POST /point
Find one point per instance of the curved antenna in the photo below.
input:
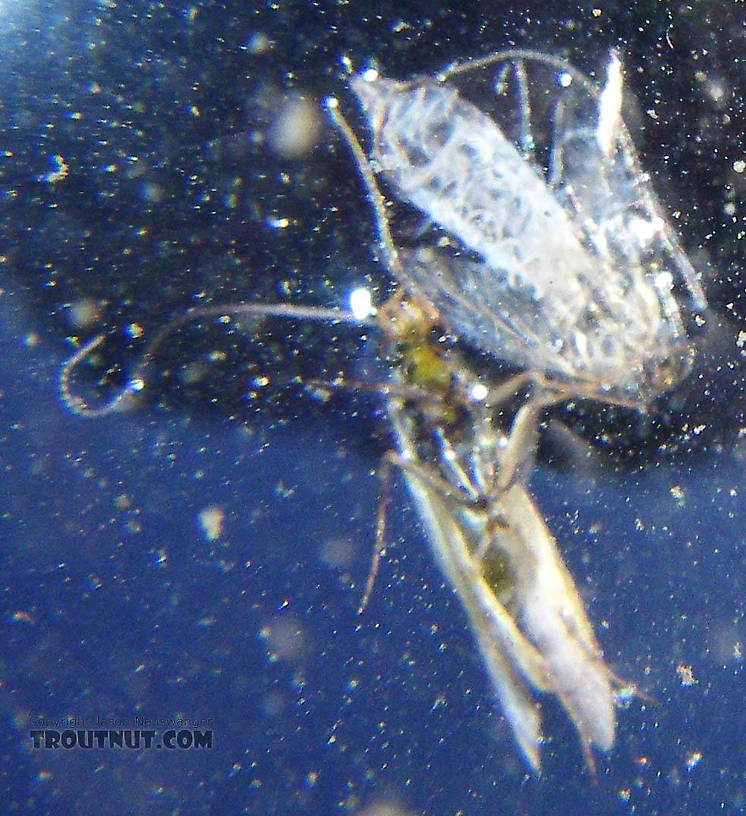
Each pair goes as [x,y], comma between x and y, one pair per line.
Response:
[137,382]
[515,55]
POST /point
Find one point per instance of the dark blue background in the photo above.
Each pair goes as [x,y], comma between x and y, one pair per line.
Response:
[113,601]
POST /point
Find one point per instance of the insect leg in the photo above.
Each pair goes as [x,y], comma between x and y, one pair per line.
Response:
[518,456]
[435,482]
[379,548]
[524,106]
[556,166]
[373,193]
[516,55]
[386,244]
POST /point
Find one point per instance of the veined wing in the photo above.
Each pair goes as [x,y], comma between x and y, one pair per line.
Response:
[531,628]
[580,241]
[501,645]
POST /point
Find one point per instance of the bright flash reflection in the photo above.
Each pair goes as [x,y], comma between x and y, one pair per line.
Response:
[370,75]
[478,392]
[361,303]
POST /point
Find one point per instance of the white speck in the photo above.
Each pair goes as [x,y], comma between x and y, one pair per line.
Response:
[58,172]
[478,392]
[664,281]
[646,228]
[361,303]
[211,521]
[693,759]
[278,223]
[258,43]
[84,313]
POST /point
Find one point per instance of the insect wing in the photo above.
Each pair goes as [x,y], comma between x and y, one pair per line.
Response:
[452,541]
[553,617]
[463,292]
[450,160]
[503,564]
[596,176]
[577,244]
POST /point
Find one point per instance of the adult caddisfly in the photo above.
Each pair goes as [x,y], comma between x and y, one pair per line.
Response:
[492,543]
[547,250]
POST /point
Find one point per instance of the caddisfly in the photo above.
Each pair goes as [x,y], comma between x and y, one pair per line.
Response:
[544,248]
[493,545]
